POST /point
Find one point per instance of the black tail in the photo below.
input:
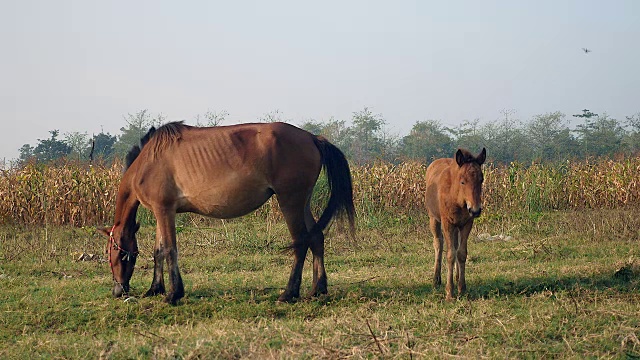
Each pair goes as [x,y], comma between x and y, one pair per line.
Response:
[339,180]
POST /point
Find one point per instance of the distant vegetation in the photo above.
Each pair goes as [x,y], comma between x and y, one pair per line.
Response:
[543,138]
[537,166]
[73,193]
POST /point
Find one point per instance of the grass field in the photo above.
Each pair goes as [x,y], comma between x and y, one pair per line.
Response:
[564,285]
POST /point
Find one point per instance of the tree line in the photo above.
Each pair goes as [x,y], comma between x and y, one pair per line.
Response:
[543,138]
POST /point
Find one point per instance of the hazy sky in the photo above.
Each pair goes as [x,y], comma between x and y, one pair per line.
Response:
[83,65]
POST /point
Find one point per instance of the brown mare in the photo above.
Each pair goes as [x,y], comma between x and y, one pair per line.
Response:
[453,199]
[226,172]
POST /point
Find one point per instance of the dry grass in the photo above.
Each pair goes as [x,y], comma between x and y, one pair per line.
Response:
[72,194]
[79,195]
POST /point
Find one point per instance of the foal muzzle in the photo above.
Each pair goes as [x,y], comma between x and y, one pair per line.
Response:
[475,212]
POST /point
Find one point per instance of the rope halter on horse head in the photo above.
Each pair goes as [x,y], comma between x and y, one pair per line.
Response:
[126,255]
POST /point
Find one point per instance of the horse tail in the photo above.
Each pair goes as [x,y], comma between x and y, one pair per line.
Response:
[338,175]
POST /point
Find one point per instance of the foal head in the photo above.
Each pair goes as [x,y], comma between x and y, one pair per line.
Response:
[122,251]
[469,180]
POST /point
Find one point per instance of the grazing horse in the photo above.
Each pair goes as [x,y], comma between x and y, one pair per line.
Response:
[453,200]
[226,172]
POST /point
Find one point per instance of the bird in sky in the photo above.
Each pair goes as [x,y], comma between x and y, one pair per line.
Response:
[586,51]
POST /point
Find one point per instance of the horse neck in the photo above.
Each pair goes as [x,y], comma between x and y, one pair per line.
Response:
[126,205]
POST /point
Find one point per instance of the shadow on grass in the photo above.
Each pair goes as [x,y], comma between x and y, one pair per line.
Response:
[484,289]
[528,286]
[501,287]
[380,290]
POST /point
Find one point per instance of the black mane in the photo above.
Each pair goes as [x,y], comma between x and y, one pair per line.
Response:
[171,129]
[132,155]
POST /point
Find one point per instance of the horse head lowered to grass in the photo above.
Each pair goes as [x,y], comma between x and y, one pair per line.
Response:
[453,200]
[226,172]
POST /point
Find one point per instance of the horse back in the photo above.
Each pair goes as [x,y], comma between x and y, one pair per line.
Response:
[202,169]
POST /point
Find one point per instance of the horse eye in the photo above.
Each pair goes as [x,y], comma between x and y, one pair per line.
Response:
[462,182]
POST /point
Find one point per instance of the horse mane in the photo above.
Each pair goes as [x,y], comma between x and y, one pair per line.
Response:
[166,135]
[161,138]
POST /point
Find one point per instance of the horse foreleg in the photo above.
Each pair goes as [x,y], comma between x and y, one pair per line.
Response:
[461,258]
[166,230]
[457,243]
[450,236]
[436,230]
[157,286]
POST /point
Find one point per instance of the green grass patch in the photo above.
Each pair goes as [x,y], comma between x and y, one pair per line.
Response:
[564,285]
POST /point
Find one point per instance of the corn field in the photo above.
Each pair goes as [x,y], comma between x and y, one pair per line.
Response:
[81,195]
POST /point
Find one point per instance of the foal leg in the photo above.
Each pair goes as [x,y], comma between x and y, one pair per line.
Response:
[166,231]
[292,208]
[461,258]
[438,240]
[451,238]
[457,243]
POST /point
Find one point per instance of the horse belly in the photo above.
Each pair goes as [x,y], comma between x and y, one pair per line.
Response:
[225,200]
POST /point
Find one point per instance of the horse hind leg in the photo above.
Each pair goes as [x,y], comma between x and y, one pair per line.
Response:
[292,208]
[438,241]
[316,243]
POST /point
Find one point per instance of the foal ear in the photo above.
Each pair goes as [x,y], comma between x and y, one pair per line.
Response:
[460,157]
[104,230]
[482,157]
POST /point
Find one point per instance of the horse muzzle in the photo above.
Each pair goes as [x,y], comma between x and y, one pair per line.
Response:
[120,290]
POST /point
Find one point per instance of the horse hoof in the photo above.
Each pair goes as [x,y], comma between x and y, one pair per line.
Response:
[317,293]
[286,298]
[154,292]
[172,298]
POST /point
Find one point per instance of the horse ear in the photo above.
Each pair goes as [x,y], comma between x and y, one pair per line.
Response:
[459,157]
[137,227]
[482,157]
[104,230]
